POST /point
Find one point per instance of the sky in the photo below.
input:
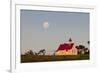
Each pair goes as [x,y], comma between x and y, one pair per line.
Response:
[48,29]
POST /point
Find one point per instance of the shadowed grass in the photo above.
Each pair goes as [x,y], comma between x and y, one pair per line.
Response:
[33,58]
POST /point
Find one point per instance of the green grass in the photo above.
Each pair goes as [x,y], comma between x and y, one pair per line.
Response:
[46,58]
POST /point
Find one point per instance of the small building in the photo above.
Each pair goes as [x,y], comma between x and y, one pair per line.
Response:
[67,49]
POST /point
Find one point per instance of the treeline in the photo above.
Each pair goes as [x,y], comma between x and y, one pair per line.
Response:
[41,52]
[81,49]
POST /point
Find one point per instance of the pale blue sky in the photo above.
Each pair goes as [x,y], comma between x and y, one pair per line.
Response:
[62,26]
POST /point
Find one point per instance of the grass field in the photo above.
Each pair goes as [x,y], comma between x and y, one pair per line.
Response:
[46,58]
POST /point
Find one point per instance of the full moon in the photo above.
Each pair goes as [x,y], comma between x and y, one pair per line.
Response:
[45,25]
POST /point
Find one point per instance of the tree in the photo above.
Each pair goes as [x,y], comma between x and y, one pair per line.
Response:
[88,42]
[86,51]
[81,46]
[30,52]
[81,49]
[78,48]
[42,51]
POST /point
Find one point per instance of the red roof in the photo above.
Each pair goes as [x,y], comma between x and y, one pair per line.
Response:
[65,46]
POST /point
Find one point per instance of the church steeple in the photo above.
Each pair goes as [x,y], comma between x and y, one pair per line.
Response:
[70,40]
